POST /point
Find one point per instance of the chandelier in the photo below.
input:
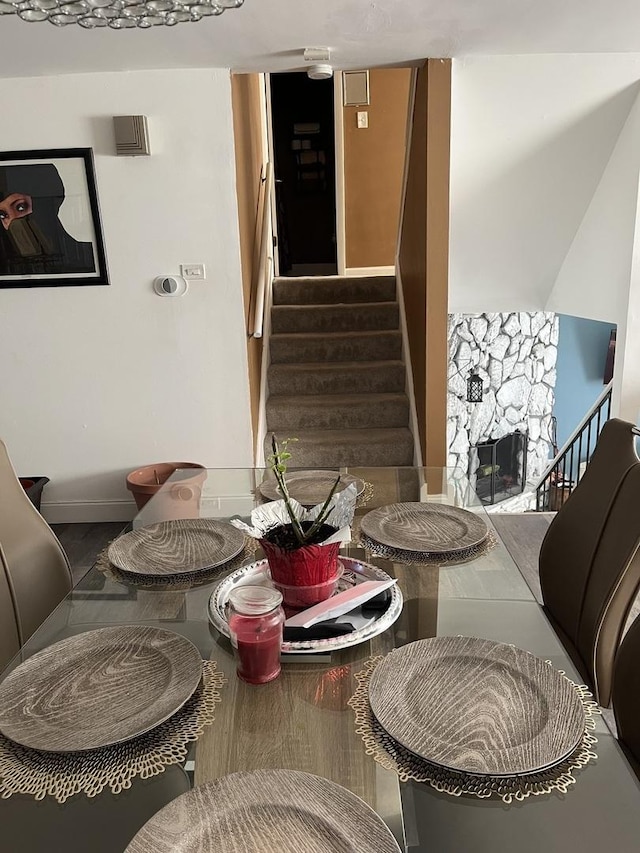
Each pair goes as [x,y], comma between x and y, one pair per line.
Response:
[117,14]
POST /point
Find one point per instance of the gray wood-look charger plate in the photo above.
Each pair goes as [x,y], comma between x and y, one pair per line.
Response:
[425,527]
[176,547]
[98,688]
[476,706]
[266,811]
[310,488]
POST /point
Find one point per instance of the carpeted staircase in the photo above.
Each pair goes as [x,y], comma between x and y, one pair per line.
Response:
[336,379]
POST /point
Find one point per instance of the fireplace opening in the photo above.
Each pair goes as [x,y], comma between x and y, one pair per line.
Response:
[498,467]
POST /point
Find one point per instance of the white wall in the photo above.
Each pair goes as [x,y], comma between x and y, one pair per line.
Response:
[95,381]
[594,279]
[531,139]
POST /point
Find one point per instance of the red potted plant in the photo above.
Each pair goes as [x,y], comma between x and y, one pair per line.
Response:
[301,545]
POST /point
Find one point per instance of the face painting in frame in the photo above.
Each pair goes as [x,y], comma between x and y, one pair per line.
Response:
[33,239]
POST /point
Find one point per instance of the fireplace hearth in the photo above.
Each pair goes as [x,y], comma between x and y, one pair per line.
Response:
[498,467]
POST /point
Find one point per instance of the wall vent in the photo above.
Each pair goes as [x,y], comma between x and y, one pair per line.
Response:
[132,136]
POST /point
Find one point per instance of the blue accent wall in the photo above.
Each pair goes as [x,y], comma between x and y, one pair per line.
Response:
[582,352]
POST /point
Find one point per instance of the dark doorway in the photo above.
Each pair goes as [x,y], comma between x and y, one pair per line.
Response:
[304,158]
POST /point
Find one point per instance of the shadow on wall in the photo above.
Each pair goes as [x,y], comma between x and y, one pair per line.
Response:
[500,246]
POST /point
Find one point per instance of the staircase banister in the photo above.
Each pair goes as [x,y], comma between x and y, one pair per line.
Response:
[602,398]
[265,258]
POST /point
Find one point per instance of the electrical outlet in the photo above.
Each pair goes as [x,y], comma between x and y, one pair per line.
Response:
[362,118]
[193,272]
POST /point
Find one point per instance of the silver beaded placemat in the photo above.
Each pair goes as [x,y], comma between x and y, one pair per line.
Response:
[390,754]
[61,775]
[365,496]
[425,558]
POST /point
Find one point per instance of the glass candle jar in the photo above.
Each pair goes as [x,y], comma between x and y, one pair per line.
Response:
[256,622]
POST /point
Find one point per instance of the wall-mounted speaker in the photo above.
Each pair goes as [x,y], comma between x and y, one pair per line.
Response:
[170,285]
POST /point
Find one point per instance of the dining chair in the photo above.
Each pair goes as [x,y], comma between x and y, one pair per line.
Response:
[34,571]
[626,695]
[9,638]
[589,561]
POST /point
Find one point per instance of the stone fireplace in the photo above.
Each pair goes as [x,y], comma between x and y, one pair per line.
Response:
[498,467]
[515,355]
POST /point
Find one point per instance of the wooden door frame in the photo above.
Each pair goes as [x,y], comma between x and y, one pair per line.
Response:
[338,126]
[338,130]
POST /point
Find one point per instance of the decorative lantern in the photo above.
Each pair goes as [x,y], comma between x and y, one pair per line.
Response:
[474,389]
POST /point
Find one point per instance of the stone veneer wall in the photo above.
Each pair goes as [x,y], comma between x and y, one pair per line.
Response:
[515,355]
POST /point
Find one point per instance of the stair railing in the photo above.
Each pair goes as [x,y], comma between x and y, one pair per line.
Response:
[564,472]
[264,274]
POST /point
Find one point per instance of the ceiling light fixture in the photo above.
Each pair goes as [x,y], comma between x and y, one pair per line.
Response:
[117,14]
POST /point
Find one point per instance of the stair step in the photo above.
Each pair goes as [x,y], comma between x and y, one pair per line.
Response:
[333,290]
[337,411]
[335,347]
[373,448]
[334,318]
[355,377]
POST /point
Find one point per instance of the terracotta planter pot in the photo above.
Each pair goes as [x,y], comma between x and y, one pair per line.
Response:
[181,500]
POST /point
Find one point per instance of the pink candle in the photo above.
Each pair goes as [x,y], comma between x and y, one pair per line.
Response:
[255,625]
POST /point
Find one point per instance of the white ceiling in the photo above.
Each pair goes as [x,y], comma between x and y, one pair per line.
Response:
[269,35]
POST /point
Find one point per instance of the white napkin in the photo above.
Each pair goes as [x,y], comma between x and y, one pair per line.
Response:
[339,604]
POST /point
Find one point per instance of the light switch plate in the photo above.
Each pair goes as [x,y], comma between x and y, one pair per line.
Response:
[193,272]
[363,118]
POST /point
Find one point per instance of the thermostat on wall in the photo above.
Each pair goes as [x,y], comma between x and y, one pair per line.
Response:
[170,285]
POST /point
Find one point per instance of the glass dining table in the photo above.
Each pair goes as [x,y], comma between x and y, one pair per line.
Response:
[301,721]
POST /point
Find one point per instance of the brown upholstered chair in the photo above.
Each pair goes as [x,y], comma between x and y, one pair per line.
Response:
[34,570]
[589,559]
[626,694]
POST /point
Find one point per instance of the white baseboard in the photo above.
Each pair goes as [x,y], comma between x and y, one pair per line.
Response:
[72,512]
[69,512]
[370,271]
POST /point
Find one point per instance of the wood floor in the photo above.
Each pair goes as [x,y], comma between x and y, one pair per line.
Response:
[83,542]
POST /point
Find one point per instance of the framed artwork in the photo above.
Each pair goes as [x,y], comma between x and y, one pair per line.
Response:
[50,232]
[611,357]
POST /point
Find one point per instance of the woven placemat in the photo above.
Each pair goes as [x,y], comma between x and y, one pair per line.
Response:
[61,775]
[390,754]
[365,495]
[187,580]
[424,558]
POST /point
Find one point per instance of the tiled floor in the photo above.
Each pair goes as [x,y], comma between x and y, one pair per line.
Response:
[523,533]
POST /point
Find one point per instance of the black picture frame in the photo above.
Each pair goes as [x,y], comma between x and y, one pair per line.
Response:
[50,228]
[610,359]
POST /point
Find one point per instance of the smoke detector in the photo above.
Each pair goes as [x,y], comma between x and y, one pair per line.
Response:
[320,72]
